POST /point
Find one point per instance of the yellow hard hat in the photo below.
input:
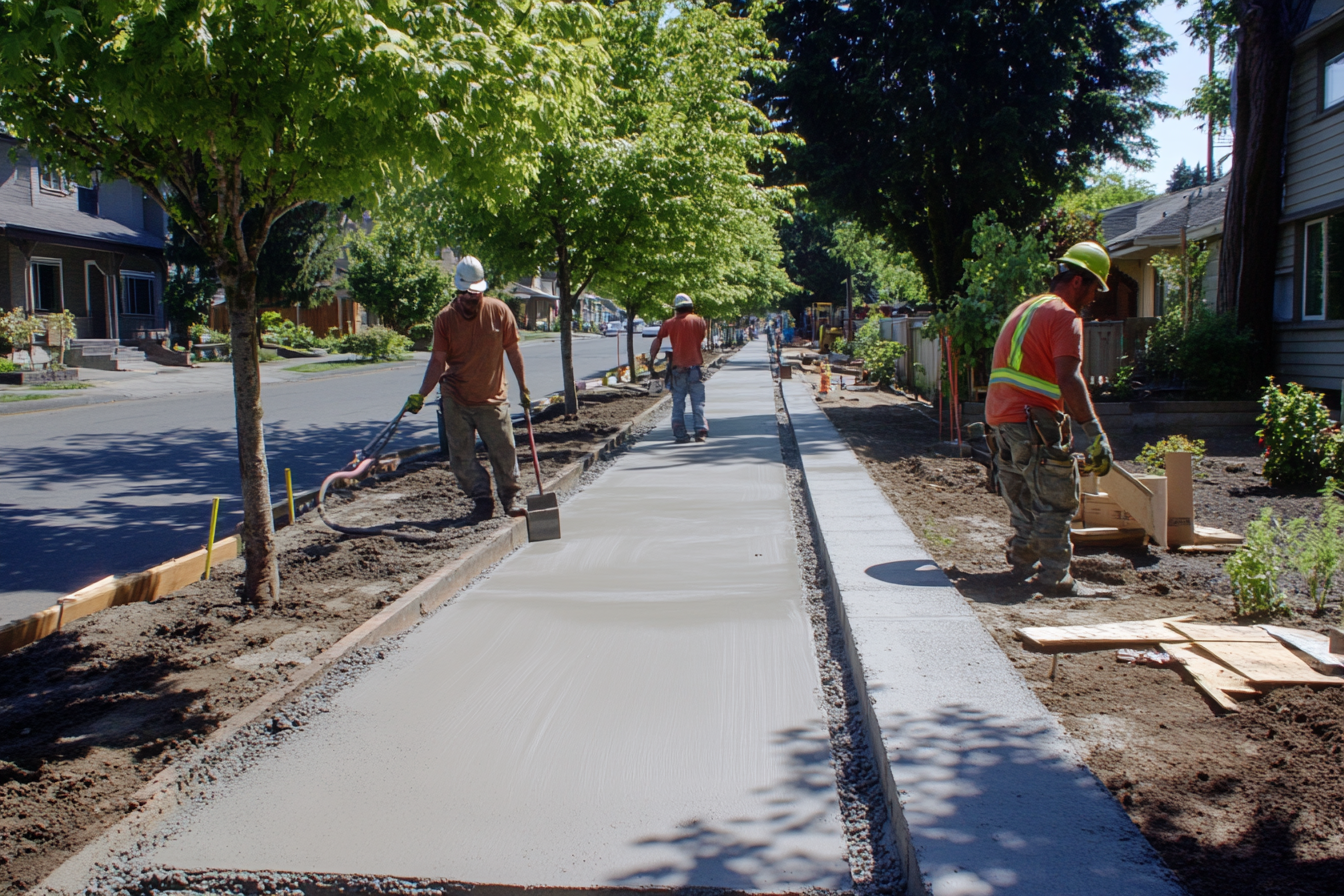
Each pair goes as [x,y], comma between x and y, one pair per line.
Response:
[1092,258]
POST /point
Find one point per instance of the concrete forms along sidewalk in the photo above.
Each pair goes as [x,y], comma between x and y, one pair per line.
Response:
[635,705]
[987,790]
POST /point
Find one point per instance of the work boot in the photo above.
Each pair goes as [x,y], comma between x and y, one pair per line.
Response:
[701,435]
[1021,564]
[513,506]
[681,440]
[1065,587]
[484,508]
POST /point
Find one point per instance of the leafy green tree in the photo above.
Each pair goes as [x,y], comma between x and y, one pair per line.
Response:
[1183,177]
[391,275]
[1105,191]
[666,148]
[920,115]
[881,274]
[812,259]
[1211,28]
[231,114]
[1007,265]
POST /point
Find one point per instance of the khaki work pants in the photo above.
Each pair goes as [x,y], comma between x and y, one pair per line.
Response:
[462,422]
[1040,484]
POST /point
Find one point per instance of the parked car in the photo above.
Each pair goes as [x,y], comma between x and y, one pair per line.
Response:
[651,329]
[613,328]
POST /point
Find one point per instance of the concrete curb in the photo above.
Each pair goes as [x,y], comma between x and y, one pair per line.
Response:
[986,791]
[161,796]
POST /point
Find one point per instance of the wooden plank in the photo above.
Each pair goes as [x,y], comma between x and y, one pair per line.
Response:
[1138,500]
[1204,677]
[1209,535]
[1202,633]
[1094,637]
[1180,498]
[1207,548]
[1216,674]
[153,583]
[1264,663]
[1314,649]
[1107,536]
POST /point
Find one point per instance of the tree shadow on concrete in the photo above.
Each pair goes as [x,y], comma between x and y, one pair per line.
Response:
[794,842]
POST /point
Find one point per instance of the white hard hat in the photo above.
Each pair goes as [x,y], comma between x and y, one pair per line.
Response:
[470,275]
[682,301]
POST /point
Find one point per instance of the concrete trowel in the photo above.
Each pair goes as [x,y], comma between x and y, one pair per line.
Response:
[543,510]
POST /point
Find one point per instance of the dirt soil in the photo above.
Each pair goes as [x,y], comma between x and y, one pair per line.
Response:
[1247,802]
[89,715]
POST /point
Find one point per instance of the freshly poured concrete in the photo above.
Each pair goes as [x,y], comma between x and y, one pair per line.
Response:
[636,704]
[988,791]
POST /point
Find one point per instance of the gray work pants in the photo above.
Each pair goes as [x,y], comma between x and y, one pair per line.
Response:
[1040,484]
[687,381]
[462,422]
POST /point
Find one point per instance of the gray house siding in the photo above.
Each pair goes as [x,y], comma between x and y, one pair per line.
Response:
[1310,352]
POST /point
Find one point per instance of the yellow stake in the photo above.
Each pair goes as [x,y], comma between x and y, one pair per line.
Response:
[210,543]
[289,490]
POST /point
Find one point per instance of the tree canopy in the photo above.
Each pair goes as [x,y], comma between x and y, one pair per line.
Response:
[919,115]
[232,113]
[651,177]
[391,274]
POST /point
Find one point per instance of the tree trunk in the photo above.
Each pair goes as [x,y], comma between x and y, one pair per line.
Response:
[1254,192]
[566,329]
[262,578]
[630,343]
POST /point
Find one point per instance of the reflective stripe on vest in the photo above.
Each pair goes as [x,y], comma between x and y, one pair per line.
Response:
[1012,375]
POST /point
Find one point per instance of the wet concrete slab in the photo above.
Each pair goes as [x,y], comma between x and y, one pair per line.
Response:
[637,704]
[988,791]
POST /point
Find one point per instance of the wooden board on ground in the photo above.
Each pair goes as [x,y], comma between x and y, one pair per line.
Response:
[1210,535]
[1107,536]
[1201,633]
[1214,679]
[1265,663]
[1207,548]
[1139,500]
[1096,637]
[1314,648]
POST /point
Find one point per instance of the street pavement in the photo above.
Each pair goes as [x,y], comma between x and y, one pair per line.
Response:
[634,705]
[90,490]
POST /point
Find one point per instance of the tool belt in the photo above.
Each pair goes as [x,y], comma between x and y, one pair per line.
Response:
[1048,428]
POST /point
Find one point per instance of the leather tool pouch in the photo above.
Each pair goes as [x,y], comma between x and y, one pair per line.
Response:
[1048,428]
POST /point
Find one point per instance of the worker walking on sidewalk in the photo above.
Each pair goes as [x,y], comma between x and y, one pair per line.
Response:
[1037,375]
[472,334]
[685,331]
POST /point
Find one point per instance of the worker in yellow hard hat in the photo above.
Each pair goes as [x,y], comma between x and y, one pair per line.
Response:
[1036,377]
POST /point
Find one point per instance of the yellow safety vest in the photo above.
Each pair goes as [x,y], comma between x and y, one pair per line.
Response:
[1012,375]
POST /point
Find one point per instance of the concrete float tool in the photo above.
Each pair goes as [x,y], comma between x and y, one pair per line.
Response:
[366,459]
[543,510]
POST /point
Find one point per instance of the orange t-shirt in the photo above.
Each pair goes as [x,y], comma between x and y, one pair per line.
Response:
[685,332]
[1056,331]
[475,350]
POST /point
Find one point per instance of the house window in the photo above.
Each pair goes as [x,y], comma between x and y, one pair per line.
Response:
[50,180]
[88,199]
[1323,269]
[137,294]
[1333,88]
[46,285]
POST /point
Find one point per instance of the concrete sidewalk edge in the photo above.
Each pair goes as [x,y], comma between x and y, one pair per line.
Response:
[871,638]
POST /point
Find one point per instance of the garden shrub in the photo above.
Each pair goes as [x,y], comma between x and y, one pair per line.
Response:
[1209,356]
[1153,458]
[1296,433]
[1314,547]
[423,330]
[376,344]
[879,355]
[1256,567]
[7,366]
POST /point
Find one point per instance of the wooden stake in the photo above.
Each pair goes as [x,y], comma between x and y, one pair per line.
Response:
[210,543]
[289,492]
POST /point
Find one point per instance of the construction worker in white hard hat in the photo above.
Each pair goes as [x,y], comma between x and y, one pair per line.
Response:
[1036,377]
[686,331]
[472,336]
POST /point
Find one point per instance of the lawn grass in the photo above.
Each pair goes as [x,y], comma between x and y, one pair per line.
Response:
[56,387]
[324,366]
[19,397]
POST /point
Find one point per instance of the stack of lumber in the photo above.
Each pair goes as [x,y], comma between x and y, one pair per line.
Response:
[1223,661]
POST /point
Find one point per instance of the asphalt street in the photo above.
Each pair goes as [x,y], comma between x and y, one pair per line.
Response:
[114,488]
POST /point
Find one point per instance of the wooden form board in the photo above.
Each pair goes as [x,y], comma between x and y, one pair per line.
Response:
[1180,499]
[1144,499]
[1092,637]
[1107,536]
[1211,535]
[153,583]
[1262,663]
[1201,633]
[1315,648]
[1214,680]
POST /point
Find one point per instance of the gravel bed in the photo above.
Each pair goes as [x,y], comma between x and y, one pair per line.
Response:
[874,865]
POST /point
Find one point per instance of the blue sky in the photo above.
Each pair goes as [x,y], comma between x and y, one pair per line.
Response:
[1178,138]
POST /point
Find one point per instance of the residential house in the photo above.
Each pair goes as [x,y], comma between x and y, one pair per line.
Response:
[1309,275]
[93,249]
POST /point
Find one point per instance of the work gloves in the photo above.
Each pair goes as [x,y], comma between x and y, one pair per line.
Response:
[415,402]
[525,398]
[1098,456]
